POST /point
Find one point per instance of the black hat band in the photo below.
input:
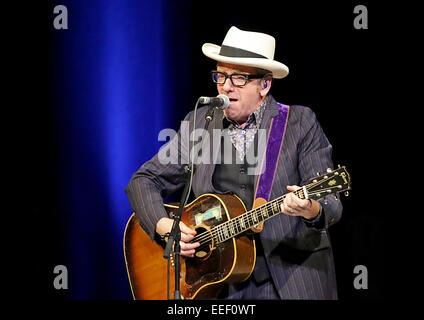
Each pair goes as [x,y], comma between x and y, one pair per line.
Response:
[238,53]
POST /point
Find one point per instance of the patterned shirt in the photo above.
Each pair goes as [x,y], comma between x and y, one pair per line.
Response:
[242,138]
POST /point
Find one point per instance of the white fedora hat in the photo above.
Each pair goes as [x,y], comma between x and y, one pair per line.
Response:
[247,48]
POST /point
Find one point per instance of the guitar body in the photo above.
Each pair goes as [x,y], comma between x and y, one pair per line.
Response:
[227,253]
[212,267]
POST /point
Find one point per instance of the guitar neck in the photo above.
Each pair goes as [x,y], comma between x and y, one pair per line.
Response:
[247,220]
[332,182]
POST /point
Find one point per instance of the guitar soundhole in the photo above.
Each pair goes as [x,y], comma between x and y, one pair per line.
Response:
[205,266]
[204,249]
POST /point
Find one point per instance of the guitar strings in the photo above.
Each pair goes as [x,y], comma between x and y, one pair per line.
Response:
[247,216]
[215,232]
[206,237]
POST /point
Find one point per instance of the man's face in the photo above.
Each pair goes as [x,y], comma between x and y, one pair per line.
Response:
[243,100]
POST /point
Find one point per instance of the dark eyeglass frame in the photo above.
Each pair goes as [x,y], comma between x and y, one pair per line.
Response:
[246,76]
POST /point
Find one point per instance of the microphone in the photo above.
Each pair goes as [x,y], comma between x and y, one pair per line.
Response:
[221,101]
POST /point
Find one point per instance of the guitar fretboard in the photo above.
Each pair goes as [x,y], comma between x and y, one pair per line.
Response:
[247,220]
[333,182]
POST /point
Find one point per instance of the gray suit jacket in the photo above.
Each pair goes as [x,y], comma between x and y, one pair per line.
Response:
[298,253]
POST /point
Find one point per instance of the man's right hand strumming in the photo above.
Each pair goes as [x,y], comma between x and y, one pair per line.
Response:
[164,225]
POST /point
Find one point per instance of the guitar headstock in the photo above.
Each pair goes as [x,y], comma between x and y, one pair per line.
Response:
[334,181]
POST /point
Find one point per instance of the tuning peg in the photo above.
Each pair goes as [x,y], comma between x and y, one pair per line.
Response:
[338,166]
[346,193]
[317,173]
[329,170]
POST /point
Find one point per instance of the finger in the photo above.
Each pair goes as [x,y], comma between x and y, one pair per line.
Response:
[299,203]
[302,203]
[293,188]
[185,229]
[296,202]
[291,202]
[188,246]
[186,237]
[188,249]
[286,209]
[188,253]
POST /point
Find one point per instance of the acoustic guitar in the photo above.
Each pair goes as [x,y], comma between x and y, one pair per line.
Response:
[227,253]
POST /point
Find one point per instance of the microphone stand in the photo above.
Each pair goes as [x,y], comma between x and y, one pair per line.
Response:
[175,234]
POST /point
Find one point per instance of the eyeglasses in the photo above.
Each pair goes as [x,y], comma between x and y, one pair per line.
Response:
[237,79]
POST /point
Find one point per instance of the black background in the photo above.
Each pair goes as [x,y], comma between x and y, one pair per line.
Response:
[334,69]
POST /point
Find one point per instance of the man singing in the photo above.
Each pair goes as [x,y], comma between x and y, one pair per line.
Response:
[294,257]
